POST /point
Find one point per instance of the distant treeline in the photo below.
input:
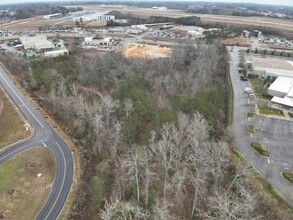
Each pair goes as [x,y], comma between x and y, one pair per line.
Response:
[30,10]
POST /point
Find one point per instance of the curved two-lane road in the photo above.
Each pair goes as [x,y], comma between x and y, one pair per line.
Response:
[47,137]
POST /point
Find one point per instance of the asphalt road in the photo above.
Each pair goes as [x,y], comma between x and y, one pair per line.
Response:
[45,137]
[274,134]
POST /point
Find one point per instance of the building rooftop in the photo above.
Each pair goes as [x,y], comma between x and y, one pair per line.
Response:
[187,28]
[282,84]
[273,64]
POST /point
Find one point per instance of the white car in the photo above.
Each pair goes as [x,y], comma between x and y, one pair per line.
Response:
[248,90]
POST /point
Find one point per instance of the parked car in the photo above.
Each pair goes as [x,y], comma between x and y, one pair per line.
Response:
[248,90]
[243,78]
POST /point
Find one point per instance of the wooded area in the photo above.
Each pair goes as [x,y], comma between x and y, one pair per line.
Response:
[151,134]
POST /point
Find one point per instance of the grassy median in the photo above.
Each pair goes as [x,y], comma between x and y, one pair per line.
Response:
[11,126]
[258,148]
[264,110]
[22,192]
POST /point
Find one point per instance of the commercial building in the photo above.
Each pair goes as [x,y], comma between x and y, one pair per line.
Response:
[159,8]
[53,16]
[98,41]
[56,53]
[192,31]
[282,91]
[94,16]
[271,67]
[38,43]
[140,27]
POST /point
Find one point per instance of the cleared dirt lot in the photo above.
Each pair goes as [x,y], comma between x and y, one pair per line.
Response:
[22,193]
[239,41]
[146,51]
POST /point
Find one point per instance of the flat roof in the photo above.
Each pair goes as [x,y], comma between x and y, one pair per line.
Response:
[284,101]
[187,28]
[273,64]
[282,84]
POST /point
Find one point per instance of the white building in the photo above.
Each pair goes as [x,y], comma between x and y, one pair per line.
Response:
[53,16]
[159,8]
[140,27]
[56,53]
[282,91]
[272,67]
[96,41]
[94,17]
[38,43]
[192,31]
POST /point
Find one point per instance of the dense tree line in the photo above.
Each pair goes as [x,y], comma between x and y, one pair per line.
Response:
[151,134]
[31,10]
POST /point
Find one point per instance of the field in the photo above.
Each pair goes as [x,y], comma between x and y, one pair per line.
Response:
[22,193]
[31,24]
[239,41]
[146,51]
[275,23]
[11,127]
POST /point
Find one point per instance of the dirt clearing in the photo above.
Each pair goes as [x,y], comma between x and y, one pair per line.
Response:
[147,51]
[22,192]
[239,41]
[11,126]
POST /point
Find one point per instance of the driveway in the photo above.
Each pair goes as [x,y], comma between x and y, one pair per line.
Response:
[275,135]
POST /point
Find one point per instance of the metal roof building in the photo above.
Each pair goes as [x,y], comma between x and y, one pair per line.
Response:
[272,67]
[38,43]
[282,91]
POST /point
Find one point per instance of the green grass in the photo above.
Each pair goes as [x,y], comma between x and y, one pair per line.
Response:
[250,114]
[290,114]
[258,148]
[251,129]
[11,127]
[265,186]
[22,194]
[264,110]
[288,176]
[256,85]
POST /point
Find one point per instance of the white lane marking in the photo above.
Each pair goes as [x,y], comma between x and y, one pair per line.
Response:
[250,135]
[20,99]
[44,144]
[24,104]
[7,155]
[62,181]
[269,160]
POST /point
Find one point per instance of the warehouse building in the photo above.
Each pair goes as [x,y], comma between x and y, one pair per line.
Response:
[53,16]
[38,43]
[192,31]
[99,41]
[271,67]
[282,91]
[94,17]
[56,53]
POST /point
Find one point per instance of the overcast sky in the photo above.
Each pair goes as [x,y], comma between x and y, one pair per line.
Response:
[273,2]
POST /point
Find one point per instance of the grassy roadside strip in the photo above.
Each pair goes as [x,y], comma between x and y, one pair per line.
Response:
[22,192]
[263,183]
[12,123]
[230,100]
[264,110]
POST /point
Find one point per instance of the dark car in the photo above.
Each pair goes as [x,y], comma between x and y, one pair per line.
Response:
[243,78]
